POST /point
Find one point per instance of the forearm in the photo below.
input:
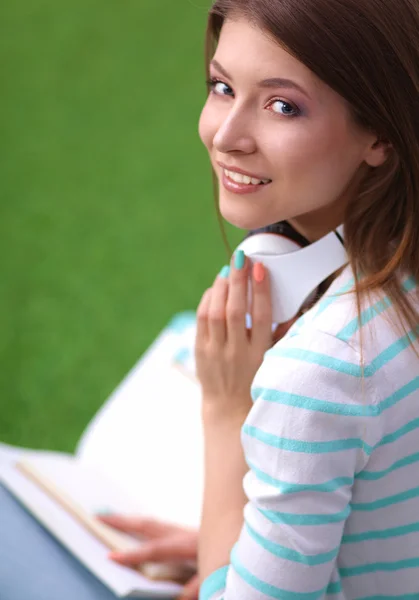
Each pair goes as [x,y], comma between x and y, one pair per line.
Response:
[224,498]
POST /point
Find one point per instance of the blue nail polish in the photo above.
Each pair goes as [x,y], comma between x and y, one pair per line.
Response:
[225,272]
[239,259]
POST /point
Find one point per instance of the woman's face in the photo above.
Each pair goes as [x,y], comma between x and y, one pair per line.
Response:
[270,118]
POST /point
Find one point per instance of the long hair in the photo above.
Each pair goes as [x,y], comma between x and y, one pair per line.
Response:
[368,52]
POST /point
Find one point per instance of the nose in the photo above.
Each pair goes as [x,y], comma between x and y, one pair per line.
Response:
[234,134]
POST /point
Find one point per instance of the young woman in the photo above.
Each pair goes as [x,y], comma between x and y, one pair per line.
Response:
[313,118]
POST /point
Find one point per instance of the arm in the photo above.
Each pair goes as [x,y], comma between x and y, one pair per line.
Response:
[227,358]
[224,497]
[304,440]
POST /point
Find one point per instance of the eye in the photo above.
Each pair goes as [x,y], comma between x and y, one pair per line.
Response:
[280,107]
[219,88]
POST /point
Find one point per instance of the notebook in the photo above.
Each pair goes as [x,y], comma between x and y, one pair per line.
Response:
[142,454]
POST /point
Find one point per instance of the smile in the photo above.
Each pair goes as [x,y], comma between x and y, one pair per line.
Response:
[238,183]
[244,179]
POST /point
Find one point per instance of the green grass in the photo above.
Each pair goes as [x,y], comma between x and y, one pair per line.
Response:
[107,224]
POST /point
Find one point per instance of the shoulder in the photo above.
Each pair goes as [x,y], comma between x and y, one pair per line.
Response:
[308,365]
[334,351]
[335,312]
[314,359]
[311,388]
[310,396]
[368,327]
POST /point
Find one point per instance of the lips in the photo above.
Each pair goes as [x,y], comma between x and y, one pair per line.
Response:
[245,179]
[241,176]
[238,187]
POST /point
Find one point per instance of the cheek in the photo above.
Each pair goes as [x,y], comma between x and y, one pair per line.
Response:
[318,158]
[207,127]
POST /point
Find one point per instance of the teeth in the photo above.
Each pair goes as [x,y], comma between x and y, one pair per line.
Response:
[238,178]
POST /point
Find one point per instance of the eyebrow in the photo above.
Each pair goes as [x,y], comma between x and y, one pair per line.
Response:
[272,82]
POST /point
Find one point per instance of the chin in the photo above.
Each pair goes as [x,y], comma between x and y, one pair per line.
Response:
[243,217]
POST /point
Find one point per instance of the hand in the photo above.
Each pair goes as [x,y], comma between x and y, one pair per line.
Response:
[227,354]
[161,542]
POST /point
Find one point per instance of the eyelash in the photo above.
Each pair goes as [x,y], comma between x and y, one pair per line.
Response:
[212,82]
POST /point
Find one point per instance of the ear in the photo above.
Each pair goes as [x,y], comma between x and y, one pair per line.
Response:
[377,152]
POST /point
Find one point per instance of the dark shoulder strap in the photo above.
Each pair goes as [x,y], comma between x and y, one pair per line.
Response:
[281,228]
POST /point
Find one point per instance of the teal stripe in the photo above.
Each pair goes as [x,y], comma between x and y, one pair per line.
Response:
[313,404]
[388,567]
[182,321]
[316,358]
[371,312]
[182,355]
[396,435]
[400,394]
[322,305]
[390,353]
[367,315]
[342,366]
[387,501]
[335,408]
[213,584]
[281,518]
[288,554]
[380,534]
[295,488]
[334,587]
[403,462]
[267,588]
[292,445]
[328,300]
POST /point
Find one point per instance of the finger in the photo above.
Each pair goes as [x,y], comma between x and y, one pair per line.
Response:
[217,330]
[174,548]
[129,559]
[261,307]
[191,589]
[237,299]
[149,528]
[202,317]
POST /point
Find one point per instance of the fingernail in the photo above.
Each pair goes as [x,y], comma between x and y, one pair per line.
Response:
[258,272]
[225,272]
[239,259]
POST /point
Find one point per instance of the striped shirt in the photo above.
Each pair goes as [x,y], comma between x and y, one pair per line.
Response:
[333,453]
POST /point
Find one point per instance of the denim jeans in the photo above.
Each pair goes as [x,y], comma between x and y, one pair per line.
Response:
[34,566]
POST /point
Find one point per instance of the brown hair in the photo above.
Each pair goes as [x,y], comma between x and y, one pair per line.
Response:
[368,52]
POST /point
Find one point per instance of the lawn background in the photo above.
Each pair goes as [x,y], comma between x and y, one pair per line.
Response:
[107,224]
